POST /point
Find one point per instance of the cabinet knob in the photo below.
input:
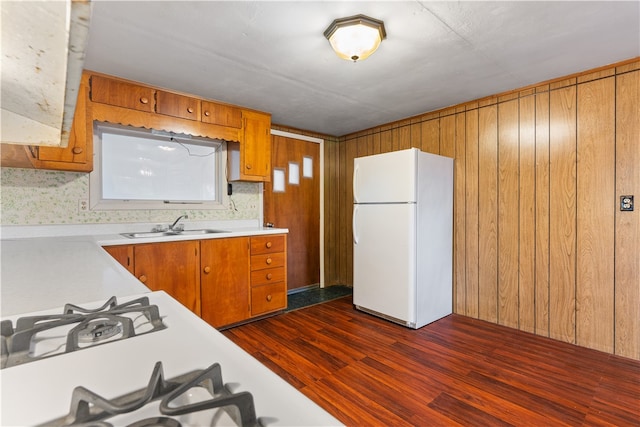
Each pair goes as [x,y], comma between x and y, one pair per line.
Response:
[268,245]
[248,166]
[206,113]
[269,261]
[269,276]
[77,150]
[207,269]
[144,100]
[143,278]
[190,110]
[269,297]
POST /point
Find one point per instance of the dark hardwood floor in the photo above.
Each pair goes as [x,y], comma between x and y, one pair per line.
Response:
[457,371]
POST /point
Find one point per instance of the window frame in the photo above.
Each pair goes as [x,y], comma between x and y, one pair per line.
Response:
[98,203]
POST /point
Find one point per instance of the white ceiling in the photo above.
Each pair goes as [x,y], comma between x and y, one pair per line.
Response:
[272,55]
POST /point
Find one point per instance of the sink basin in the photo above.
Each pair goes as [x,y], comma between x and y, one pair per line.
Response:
[150,234]
[146,234]
[201,231]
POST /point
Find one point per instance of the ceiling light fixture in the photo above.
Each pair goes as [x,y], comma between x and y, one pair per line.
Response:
[356,37]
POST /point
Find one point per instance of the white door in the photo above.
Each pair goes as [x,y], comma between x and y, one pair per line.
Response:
[385,178]
[384,273]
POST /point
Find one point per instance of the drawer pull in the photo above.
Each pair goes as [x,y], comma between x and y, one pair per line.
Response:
[190,110]
[206,113]
[269,261]
[143,278]
[77,150]
[269,276]
[268,245]
[269,297]
[207,269]
[144,100]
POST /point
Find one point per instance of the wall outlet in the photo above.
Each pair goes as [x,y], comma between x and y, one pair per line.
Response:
[83,206]
[626,203]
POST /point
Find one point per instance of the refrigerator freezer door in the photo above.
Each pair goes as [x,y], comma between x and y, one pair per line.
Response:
[386,178]
[384,273]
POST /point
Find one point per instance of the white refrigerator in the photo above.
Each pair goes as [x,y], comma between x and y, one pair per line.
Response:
[403,236]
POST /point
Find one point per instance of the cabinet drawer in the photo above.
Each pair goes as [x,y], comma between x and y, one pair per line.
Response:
[175,105]
[268,298]
[267,244]
[223,115]
[268,275]
[259,262]
[114,92]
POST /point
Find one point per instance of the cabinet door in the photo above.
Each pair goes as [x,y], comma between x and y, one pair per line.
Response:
[77,156]
[224,280]
[223,115]
[123,254]
[255,147]
[122,94]
[173,267]
[175,105]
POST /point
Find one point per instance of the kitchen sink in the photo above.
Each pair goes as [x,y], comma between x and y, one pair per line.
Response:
[150,234]
[201,231]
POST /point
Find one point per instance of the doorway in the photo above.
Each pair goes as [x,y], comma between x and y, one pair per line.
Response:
[292,201]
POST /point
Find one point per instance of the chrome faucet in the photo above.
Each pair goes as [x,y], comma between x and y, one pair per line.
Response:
[173,226]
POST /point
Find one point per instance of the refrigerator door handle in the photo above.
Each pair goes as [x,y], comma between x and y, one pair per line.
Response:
[355,187]
[353,225]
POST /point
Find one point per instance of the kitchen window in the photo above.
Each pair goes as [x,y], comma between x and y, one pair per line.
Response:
[137,168]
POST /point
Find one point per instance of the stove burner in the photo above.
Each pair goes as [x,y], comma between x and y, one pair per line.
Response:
[91,409]
[156,422]
[88,326]
[99,330]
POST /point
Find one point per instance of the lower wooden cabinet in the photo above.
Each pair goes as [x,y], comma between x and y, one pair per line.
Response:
[173,267]
[268,298]
[225,281]
[123,254]
[268,274]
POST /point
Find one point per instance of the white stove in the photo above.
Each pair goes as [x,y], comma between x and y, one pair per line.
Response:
[138,362]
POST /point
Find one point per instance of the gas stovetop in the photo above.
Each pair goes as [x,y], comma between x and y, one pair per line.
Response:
[76,328]
[103,371]
[197,398]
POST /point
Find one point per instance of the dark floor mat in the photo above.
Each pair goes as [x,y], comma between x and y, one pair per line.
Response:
[315,296]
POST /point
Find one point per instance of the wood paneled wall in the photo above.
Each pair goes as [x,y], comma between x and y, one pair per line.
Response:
[539,241]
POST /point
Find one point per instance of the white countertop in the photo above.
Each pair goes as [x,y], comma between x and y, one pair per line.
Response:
[43,271]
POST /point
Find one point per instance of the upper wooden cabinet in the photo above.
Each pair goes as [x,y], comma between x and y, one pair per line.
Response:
[77,156]
[250,160]
[172,104]
[110,99]
[220,114]
[123,94]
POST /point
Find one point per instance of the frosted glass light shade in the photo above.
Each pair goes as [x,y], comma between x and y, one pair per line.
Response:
[356,37]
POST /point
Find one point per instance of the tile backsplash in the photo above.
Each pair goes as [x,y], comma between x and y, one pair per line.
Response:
[40,197]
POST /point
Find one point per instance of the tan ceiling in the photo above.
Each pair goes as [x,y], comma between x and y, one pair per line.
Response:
[272,56]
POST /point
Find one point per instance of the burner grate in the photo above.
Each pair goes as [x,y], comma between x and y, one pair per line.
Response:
[83,328]
[90,409]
